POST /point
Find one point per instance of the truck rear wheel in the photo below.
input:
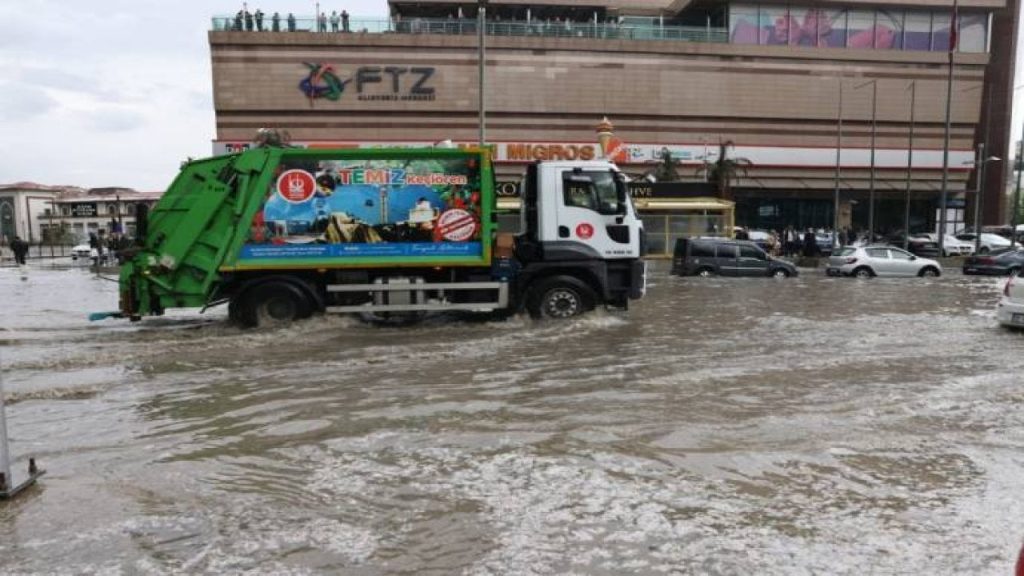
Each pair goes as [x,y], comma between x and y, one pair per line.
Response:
[270,304]
[560,298]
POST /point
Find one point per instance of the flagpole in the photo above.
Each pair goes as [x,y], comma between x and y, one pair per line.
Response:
[945,146]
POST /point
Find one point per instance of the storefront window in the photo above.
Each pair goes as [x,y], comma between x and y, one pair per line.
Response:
[940,30]
[860,29]
[917,31]
[889,29]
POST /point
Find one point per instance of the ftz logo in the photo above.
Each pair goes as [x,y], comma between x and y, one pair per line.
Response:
[372,83]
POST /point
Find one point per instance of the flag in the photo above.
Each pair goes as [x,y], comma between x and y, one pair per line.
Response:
[954,27]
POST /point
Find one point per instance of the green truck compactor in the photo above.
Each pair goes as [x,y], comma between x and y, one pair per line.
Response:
[280,234]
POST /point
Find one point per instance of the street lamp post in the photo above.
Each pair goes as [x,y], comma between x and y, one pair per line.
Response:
[839,152]
[910,166]
[979,165]
[481,57]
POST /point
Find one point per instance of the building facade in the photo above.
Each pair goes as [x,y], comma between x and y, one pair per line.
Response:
[65,215]
[795,90]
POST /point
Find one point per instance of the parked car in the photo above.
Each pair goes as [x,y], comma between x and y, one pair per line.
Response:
[878,260]
[1010,310]
[917,246]
[824,242]
[952,246]
[989,242]
[726,257]
[759,237]
[80,251]
[996,263]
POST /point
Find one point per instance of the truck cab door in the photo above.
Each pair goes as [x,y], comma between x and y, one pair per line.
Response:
[594,215]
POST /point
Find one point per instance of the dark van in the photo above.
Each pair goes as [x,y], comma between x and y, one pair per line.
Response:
[726,257]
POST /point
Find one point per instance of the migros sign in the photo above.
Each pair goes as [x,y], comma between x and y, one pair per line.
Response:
[522,152]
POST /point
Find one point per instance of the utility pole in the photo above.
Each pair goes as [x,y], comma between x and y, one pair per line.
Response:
[910,166]
[1018,161]
[839,153]
[482,59]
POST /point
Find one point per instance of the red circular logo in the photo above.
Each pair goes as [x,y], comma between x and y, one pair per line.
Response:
[456,225]
[585,231]
[296,186]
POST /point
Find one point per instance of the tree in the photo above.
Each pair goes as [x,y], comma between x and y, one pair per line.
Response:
[666,170]
[724,171]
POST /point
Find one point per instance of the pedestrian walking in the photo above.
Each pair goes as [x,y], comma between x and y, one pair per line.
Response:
[275,22]
[259,20]
[291,22]
[844,237]
[20,249]
[334,21]
[344,21]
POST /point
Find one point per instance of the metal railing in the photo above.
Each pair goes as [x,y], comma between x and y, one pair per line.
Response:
[468,27]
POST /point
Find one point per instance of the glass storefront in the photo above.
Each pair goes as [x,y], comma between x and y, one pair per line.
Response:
[875,29]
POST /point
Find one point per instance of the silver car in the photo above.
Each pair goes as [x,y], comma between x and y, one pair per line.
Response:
[884,261]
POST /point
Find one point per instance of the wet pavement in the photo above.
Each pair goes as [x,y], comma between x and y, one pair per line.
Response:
[721,426]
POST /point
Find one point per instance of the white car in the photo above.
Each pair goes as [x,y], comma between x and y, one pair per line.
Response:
[1010,310]
[80,251]
[989,242]
[953,246]
[883,261]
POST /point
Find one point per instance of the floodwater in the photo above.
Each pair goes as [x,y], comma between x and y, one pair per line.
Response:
[801,426]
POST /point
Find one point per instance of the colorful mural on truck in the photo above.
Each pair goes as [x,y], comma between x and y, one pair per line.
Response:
[369,208]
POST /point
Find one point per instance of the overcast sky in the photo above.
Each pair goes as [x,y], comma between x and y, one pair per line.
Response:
[118,92]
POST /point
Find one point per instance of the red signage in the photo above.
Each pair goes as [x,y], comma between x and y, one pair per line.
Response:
[456,225]
[296,186]
[585,231]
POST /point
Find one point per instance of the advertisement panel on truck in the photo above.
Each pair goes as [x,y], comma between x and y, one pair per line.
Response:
[400,209]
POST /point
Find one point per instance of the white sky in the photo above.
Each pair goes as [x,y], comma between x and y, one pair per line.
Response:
[118,92]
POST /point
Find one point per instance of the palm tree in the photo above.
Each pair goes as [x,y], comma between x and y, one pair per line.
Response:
[724,170]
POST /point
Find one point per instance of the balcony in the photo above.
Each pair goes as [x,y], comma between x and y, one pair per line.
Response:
[468,27]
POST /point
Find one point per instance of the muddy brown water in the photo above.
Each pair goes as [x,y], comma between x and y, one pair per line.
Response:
[801,426]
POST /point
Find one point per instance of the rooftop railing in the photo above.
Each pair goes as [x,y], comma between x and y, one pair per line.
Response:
[468,27]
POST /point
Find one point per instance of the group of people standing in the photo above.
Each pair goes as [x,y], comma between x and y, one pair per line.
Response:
[254,21]
[794,242]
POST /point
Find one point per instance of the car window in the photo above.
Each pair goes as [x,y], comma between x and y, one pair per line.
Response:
[878,253]
[899,254]
[726,251]
[751,252]
[702,250]
[965,237]
[846,251]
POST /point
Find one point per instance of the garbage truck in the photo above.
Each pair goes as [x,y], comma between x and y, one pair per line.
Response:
[280,234]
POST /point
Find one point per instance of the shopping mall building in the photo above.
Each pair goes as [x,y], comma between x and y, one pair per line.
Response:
[669,75]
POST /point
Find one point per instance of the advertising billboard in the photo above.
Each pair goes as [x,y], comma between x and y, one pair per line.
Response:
[388,209]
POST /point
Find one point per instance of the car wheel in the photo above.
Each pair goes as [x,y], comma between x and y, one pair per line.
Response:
[560,298]
[929,272]
[863,272]
[705,272]
[780,273]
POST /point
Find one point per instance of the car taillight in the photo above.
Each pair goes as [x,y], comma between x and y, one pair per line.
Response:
[851,260]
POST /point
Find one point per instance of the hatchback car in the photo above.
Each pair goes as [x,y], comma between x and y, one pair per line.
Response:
[725,257]
[996,263]
[1010,310]
[885,261]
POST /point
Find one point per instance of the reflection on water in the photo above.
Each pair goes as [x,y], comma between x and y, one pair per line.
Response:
[810,425]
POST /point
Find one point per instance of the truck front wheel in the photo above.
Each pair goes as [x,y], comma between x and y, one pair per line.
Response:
[270,304]
[560,298]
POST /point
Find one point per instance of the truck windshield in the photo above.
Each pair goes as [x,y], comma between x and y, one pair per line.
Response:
[594,190]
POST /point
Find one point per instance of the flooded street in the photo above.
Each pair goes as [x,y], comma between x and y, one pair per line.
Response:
[721,426]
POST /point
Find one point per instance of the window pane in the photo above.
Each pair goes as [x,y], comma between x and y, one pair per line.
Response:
[889,29]
[743,26]
[726,251]
[940,30]
[899,254]
[702,250]
[775,25]
[973,32]
[861,29]
[832,28]
[751,252]
[918,27]
[878,253]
